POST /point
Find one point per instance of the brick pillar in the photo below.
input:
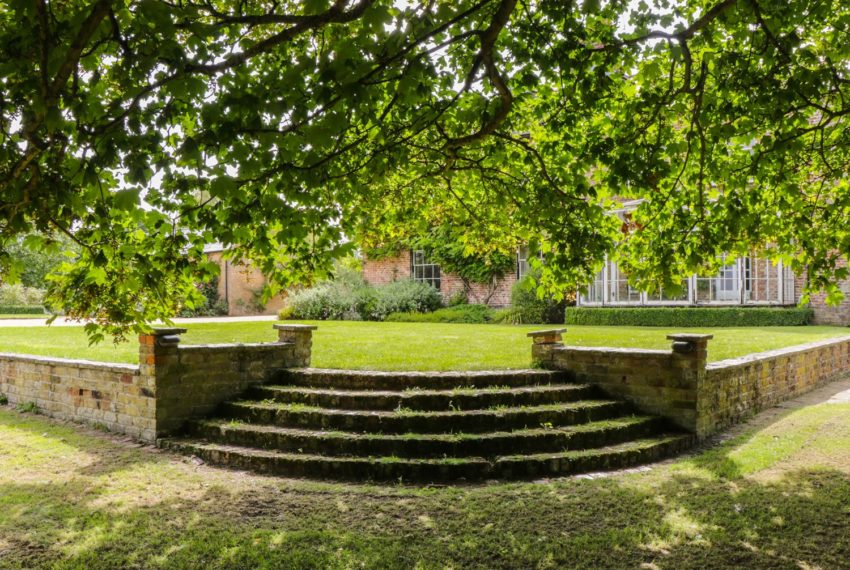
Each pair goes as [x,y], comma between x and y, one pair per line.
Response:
[302,337]
[690,355]
[544,344]
[159,367]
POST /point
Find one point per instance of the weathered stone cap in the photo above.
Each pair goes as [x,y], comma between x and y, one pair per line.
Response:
[293,327]
[689,337]
[547,332]
[164,331]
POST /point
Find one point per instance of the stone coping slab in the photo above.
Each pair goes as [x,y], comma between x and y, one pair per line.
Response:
[779,352]
[165,331]
[688,337]
[428,373]
[616,350]
[235,346]
[295,327]
[546,332]
[54,361]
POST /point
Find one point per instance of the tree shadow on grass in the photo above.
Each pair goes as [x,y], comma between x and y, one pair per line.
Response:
[684,522]
[126,507]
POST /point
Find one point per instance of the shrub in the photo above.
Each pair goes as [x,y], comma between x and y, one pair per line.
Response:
[17,294]
[21,310]
[330,300]
[473,314]
[347,297]
[3,400]
[509,316]
[531,309]
[688,316]
[213,304]
[459,297]
[405,297]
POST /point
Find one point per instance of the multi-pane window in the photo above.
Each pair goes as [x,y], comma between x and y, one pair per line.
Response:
[743,280]
[423,269]
[596,290]
[522,265]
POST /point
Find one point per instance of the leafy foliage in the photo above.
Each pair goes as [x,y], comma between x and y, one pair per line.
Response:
[21,310]
[211,304]
[332,300]
[472,314]
[32,258]
[405,296]
[349,297]
[144,129]
[472,262]
[533,304]
[688,316]
[17,294]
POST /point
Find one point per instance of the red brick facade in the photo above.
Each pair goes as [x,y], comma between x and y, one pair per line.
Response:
[379,272]
[827,314]
[240,285]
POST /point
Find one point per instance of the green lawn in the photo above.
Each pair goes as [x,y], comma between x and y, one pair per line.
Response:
[775,496]
[416,346]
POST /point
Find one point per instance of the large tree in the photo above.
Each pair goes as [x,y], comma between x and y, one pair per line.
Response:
[144,129]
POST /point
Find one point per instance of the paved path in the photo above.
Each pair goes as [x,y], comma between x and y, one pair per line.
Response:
[63,322]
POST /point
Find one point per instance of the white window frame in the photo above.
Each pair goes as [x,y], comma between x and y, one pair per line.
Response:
[424,270]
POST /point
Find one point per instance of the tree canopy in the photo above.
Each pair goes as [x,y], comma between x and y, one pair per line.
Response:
[143,129]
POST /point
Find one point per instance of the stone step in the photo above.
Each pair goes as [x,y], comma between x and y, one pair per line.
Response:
[434,400]
[381,380]
[404,421]
[442,469]
[593,434]
[620,456]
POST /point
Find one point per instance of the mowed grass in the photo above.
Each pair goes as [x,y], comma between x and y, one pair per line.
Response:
[775,496]
[415,346]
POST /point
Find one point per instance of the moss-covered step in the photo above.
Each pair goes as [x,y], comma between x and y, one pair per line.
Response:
[379,380]
[432,470]
[490,445]
[419,399]
[404,421]
[627,454]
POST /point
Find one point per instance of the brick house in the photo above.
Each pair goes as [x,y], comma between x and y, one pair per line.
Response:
[240,285]
[742,281]
[414,264]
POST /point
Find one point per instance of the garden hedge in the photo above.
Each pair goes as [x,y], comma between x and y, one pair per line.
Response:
[472,314]
[688,316]
[21,310]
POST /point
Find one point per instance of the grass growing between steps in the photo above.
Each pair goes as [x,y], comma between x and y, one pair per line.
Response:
[415,346]
[776,495]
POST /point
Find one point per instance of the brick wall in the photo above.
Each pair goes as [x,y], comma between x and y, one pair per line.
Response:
[239,285]
[115,396]
[680,385]
[387,270]
[661,382]
[826,314]
[192,380]
[171,384]
[382,271]
[738,387]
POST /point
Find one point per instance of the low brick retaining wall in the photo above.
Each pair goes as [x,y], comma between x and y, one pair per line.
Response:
[115,396]
[737,387]
[171,384]
[679,383]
